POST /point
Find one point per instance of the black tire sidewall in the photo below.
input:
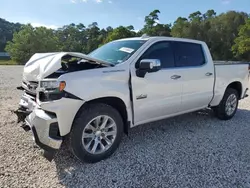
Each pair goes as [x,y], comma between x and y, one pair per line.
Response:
[81,121]
[221,109]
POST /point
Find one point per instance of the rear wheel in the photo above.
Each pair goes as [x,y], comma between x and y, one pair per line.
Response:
[97,132]
[228,105]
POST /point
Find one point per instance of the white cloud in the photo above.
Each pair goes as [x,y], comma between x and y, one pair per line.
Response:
[73,1]
[226,2]
[110,2]
[99,1]
[44,25]
[85,1]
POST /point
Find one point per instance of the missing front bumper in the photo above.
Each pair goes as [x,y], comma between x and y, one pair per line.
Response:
[26,105]
[41,125]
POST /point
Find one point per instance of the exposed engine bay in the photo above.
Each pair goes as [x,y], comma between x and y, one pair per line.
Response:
[50,66]
[72,64]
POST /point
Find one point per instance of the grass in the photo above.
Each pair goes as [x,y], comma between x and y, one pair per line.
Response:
[8,62]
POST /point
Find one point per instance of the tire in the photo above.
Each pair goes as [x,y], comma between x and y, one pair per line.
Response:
[99,112]
[220,111]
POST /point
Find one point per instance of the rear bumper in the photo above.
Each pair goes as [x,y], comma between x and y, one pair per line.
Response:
[45,130]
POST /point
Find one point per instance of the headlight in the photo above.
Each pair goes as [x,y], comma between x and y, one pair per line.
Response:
[51,90]
[49,84]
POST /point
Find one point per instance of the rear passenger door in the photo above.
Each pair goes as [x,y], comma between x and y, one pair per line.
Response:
[197,75]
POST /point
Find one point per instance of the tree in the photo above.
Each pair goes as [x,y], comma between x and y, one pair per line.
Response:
[30,40]
[219,32]
[153,27]
[72,38]
[93,37]
[180,28]
[120,32]
[209,14]
[241,48]
[6,32]
[224,30]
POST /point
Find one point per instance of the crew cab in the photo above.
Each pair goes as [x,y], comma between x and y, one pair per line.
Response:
[92,100]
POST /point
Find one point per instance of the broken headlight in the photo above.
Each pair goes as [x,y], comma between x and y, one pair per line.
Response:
[51,90]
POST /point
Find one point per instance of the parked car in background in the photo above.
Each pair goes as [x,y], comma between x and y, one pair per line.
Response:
[4,56]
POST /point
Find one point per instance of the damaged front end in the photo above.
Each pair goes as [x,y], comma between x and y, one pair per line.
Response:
[28,100]
[44,103]
[43,125]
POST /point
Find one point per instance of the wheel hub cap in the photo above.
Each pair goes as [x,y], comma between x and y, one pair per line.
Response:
[99,134]
[231,104]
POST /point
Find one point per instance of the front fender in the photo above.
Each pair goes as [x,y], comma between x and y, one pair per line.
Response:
[99,83]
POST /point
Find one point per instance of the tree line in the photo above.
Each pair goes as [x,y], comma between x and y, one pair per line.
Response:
[227,35]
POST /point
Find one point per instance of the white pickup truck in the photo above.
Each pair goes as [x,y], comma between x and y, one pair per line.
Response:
[93,99]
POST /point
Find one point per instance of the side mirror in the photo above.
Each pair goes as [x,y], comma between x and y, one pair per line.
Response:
[147,66]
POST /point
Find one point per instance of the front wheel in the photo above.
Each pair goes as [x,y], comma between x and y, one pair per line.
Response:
[97,132]
[228,105]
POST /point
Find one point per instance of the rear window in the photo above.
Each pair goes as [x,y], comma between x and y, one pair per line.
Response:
[188,54]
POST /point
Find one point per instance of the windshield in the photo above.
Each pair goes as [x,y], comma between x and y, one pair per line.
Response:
[118,51]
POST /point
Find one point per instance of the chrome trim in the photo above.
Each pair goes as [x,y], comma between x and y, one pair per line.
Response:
[154,63]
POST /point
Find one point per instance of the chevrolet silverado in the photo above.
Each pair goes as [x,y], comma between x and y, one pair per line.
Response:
[92,100]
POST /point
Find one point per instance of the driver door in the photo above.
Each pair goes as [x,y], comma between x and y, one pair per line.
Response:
[158,94]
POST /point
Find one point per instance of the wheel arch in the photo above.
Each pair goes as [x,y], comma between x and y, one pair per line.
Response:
[237,86]
[218,95]
[116,103]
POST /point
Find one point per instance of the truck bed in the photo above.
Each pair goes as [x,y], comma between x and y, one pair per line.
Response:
[234,71]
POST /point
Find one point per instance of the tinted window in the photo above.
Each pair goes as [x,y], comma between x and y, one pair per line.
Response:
[188,54]
[162,51]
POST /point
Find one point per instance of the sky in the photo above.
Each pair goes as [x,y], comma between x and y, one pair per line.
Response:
[56,13]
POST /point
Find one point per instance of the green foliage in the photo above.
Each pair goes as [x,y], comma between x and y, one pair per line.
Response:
[241,48]
[219,32]
[153,27]
[30,40]
[6,32]
[225,35]
[71,37]
[120,32]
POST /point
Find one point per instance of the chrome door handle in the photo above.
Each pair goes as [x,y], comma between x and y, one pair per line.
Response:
[175,77]
[209,74]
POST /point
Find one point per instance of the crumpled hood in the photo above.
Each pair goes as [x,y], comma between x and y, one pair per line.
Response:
[42,65]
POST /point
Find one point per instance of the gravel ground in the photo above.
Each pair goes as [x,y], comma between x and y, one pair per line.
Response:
[193,150]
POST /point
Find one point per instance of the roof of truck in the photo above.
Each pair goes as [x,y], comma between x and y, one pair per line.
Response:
[162,38]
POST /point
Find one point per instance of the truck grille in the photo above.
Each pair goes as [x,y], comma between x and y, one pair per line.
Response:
[30,87]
